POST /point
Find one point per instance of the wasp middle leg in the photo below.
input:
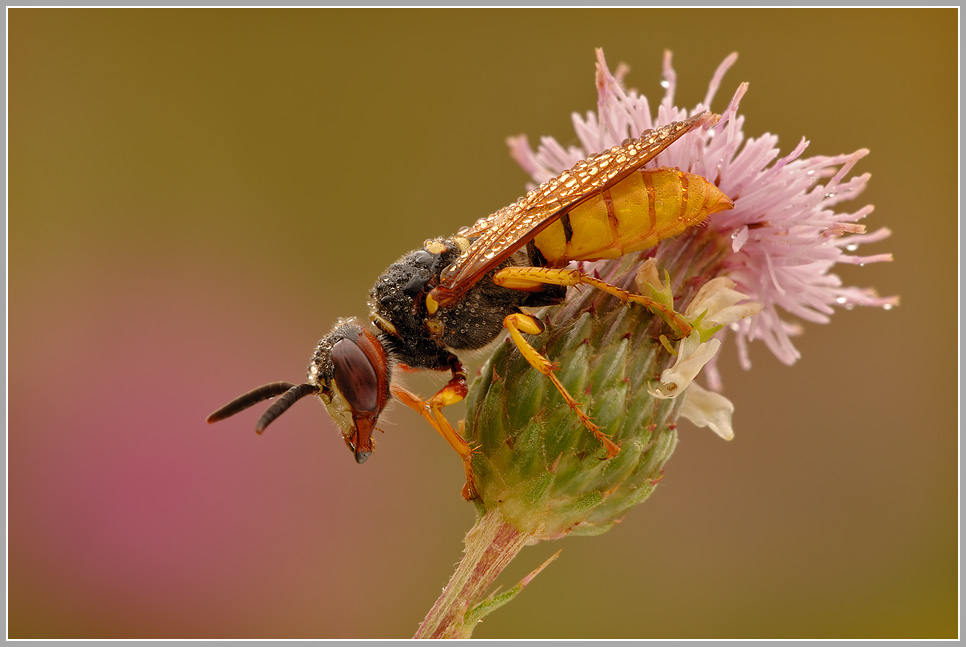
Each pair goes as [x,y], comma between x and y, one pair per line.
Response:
[518,323]
[527,278]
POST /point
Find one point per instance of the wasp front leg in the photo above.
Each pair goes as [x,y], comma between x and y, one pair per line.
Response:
[527,278]
[518,323]
[454,391]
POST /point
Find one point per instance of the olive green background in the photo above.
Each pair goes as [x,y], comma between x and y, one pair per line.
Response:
[196,195]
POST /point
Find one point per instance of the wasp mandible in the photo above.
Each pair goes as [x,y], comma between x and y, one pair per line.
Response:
[461,293]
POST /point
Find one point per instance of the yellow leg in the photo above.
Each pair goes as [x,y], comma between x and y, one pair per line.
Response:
[519,323]
[524,278]
[431,411]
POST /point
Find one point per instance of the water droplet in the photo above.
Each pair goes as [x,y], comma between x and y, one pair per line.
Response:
[841,300]
[887,306]
[852,247]
[665,83]
[829,196]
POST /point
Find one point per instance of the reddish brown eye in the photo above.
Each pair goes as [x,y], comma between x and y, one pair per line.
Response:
[355,376]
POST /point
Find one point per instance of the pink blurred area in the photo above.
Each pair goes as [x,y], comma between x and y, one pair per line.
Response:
[197,195]
[129,516]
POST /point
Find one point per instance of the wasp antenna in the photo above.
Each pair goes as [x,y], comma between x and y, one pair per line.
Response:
[281,405]
[255,396]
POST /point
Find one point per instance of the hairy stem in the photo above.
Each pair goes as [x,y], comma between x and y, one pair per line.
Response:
[490,545]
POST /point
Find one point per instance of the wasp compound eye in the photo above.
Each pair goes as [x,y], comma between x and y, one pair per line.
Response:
[355,376]
[353,373]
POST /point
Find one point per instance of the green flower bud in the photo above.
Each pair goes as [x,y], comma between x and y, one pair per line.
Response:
[534,460]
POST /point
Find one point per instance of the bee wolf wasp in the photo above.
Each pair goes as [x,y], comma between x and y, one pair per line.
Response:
[461,293]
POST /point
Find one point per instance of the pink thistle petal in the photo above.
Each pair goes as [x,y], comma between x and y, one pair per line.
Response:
[669,82]
[849,241]
[862,260]
[718,77]
[783,237]
[523,155]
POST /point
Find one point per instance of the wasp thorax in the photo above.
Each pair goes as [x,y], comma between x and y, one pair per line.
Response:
[397,306]
[352,372]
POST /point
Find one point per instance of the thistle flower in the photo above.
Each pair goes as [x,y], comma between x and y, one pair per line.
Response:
[783,235]
[539,474]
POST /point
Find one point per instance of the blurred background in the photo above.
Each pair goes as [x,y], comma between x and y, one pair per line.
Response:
[196,195]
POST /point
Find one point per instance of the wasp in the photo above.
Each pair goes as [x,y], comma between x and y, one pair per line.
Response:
[461,293]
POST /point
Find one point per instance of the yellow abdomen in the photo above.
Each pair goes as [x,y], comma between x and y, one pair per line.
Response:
[633,215]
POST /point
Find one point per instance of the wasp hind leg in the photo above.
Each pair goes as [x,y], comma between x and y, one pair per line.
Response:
[454,391]
[518,323]
[527,278]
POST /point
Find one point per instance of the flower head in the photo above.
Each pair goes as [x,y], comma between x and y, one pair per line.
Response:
[543,472]
[780,242]
[745,270]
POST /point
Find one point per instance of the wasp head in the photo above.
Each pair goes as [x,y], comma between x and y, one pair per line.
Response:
[350,372]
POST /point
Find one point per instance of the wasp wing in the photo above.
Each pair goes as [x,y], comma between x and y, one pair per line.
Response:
[498,236]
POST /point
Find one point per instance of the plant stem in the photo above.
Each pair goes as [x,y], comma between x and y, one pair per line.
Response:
[490,545]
